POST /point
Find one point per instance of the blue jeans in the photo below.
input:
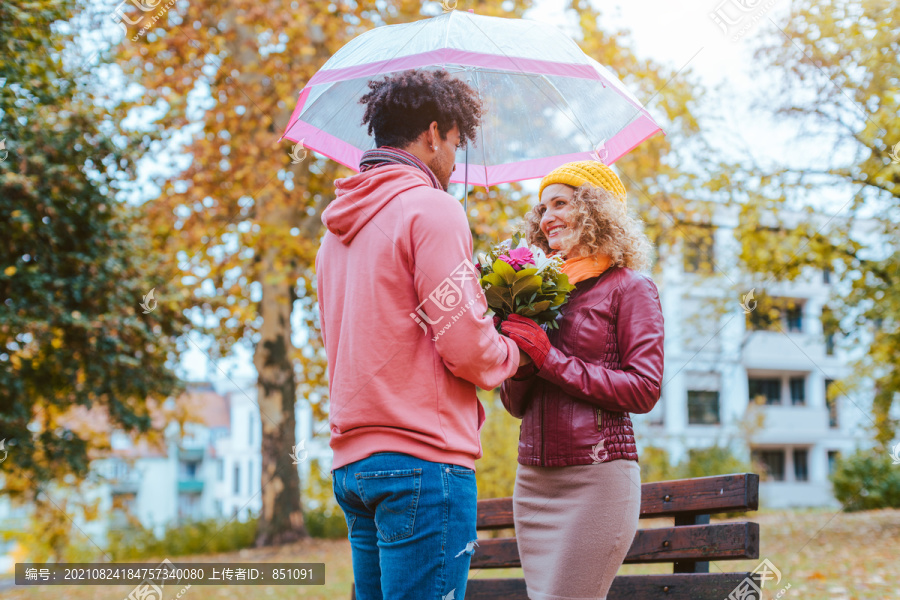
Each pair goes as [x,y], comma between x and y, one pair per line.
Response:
[410,525]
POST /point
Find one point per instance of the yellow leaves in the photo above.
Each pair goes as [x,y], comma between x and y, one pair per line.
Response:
[9,271]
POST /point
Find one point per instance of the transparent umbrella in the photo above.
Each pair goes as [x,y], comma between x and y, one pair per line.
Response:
[545,101]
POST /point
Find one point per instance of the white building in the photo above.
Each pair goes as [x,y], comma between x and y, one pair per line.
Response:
[717,359]
[212,470]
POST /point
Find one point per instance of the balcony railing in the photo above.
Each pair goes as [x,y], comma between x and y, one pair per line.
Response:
[190,486]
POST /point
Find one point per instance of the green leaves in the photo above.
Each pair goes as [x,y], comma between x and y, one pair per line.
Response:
[526,292]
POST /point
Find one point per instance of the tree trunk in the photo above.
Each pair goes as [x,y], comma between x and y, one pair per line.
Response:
[281,518]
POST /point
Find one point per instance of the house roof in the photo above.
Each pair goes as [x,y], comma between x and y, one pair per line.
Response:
[200,403]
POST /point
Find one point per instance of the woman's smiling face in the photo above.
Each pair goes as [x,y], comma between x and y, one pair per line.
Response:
[555,208]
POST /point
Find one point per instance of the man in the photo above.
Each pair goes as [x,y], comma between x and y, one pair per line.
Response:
[402,317]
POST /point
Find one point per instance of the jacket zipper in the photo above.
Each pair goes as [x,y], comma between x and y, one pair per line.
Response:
[541,428]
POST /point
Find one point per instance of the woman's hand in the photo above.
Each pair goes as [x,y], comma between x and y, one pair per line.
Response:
[528,336]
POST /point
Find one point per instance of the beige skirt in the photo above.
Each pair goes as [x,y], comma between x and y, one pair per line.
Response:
[574,526]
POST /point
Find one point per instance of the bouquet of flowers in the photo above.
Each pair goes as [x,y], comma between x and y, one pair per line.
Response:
[520,279]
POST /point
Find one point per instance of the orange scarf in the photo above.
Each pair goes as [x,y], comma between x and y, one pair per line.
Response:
[585,267]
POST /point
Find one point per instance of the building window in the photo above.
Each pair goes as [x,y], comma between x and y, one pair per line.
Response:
[794,318]
[776,314]
[833,456]
[826,275]
[218,505]
[768,388]
[250,427]
[237,479]
[703,408]
[220,469]
[832,405]
[830,329]
[801,468]
[699,249]
[250,477]
[798,391]
[772,462]
[189,470]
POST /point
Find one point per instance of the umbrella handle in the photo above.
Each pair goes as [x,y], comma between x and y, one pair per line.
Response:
[466,185]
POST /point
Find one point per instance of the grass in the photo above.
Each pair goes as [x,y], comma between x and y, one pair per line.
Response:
[823,554]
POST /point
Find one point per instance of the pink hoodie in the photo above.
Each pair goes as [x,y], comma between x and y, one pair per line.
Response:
[398,383]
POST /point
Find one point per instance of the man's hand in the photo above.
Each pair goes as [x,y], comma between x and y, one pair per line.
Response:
[524,359]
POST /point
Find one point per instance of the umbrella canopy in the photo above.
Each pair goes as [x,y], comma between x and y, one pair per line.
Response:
[545,102]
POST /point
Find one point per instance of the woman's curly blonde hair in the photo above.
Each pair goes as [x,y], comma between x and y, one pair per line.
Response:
[600,224]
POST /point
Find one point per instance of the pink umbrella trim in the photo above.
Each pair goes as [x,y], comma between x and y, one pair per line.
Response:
[348,155]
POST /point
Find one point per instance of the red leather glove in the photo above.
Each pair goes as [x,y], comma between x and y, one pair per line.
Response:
[528,336]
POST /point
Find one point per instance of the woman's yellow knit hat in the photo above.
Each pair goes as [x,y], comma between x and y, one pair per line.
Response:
[585,171]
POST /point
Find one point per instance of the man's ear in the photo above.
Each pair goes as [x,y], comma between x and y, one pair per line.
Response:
[433,135]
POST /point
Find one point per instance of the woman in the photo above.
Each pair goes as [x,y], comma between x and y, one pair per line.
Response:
[577,495]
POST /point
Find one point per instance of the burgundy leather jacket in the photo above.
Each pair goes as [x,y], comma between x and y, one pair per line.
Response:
[606,361]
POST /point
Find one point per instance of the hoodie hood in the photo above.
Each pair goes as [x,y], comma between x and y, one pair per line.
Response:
[360,197]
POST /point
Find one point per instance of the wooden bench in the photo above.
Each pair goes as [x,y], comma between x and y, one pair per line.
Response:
[689,545]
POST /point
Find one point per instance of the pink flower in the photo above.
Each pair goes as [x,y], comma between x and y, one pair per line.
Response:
[518,258]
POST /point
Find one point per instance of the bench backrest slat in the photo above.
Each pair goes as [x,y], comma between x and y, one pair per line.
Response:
[722,541]
[701,495]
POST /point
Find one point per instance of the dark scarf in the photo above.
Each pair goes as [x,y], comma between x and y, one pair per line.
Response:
[388,155]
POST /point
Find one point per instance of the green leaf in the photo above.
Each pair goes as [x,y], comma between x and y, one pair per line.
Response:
[525,273]
[527,285]
[504,270]
[494,279]
[499,298]
[542,306]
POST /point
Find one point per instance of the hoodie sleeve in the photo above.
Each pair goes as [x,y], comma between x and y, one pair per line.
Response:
[451,299]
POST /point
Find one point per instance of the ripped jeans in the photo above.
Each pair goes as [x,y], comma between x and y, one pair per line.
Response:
[411,525]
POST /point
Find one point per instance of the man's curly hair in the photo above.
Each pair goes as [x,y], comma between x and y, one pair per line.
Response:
[401,106]
[601,224]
